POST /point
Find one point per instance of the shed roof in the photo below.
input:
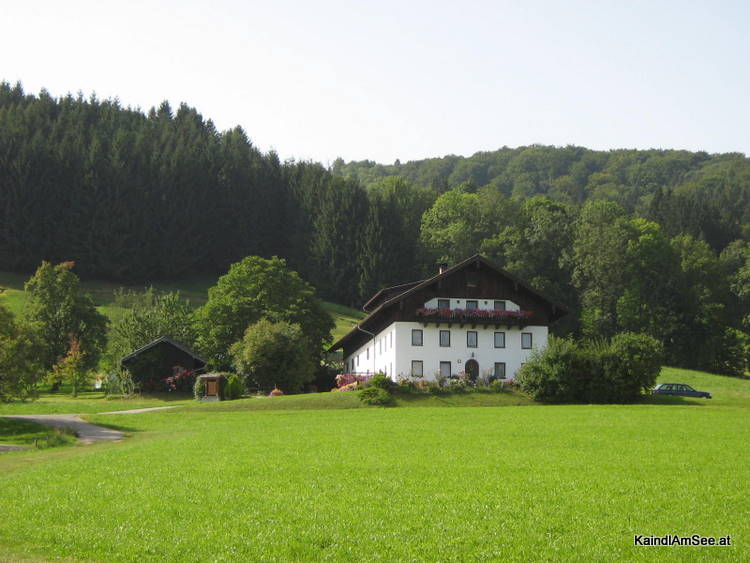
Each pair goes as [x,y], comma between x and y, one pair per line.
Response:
[162,339]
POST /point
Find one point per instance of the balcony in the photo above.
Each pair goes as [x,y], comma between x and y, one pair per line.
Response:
[497,317]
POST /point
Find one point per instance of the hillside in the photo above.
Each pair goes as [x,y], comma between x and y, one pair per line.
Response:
[651,241]
[193,289]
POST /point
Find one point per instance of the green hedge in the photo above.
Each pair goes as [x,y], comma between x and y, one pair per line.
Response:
[599,371]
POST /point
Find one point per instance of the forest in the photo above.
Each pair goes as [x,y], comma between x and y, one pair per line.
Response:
[652,241]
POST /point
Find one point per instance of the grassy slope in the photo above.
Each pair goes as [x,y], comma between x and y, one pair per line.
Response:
[21,432]
[195,289]
[541,482]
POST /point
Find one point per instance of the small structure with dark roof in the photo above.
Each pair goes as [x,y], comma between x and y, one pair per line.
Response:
[212,384]
[156,360]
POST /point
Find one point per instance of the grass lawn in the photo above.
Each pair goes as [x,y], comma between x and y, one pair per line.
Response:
[21,432]
[90,402]
[238,482]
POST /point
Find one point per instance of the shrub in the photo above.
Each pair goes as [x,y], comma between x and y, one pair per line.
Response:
[500,386]
[381,381]
[410,384]
[20,357]
[234,388]
[182,380]
[460,383]
[436,388]
[553,374]
[375,396]
[58,436]
[348,387]
[631,366]
[595,371]
[270,355]
[199,388]
[731,356]
[119,384]
[441,380]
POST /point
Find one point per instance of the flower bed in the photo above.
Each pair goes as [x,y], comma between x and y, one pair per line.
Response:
[349,381]
[474,314]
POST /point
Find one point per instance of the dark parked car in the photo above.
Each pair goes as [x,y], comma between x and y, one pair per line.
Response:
[679,389]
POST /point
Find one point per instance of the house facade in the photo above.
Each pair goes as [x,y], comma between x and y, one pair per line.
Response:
[471,318]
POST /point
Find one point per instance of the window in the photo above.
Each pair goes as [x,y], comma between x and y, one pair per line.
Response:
[445,369]
[380,346]
[357,359]
[500,370]
[390,339]
[499,306]
[499,340]
[472,305]
[471,338]
[445,338]
[525,340]
[416,337]
[444,304]
[367,353]
[416,368]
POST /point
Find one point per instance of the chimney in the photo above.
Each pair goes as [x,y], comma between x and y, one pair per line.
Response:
[442,267]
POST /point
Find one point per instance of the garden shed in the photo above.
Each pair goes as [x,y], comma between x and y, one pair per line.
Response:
[155,361]
[212,384]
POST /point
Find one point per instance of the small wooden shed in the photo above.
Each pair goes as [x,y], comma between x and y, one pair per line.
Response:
[212,385]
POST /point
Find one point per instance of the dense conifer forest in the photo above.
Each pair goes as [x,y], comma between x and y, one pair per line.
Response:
[653,241]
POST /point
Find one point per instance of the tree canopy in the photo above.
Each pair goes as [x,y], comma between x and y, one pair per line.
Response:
[643,240]
[256,288]
[61,312]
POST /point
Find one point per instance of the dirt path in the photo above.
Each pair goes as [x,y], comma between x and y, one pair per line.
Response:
[136,411]
[87,433]
[9,448]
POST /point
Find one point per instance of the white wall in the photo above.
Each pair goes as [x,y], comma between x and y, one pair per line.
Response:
[377,356]
[482,304]
[431,353]
[397,352]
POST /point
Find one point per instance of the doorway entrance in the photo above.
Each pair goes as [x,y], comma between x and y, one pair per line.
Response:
[472,369]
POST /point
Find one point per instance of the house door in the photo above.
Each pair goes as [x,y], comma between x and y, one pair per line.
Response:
[212,388]
[472,369]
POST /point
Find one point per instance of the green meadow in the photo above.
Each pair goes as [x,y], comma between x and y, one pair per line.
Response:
[318,477]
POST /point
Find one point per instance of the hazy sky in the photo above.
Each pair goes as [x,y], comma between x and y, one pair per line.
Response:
[385,80]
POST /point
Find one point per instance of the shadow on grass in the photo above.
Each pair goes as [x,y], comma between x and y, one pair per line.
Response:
[19,427]
[120,427]
[34,435]
[672,400]
[66,393]
[111,425]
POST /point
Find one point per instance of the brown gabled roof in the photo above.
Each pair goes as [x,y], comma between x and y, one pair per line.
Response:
[388,293]
[157,342]
[424,283]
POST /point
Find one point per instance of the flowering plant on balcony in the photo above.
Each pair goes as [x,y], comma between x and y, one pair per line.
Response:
[464,314]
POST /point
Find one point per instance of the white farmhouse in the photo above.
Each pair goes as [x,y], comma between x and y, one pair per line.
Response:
[473,318]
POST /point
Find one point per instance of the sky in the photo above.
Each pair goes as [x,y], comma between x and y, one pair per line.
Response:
[384,80]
